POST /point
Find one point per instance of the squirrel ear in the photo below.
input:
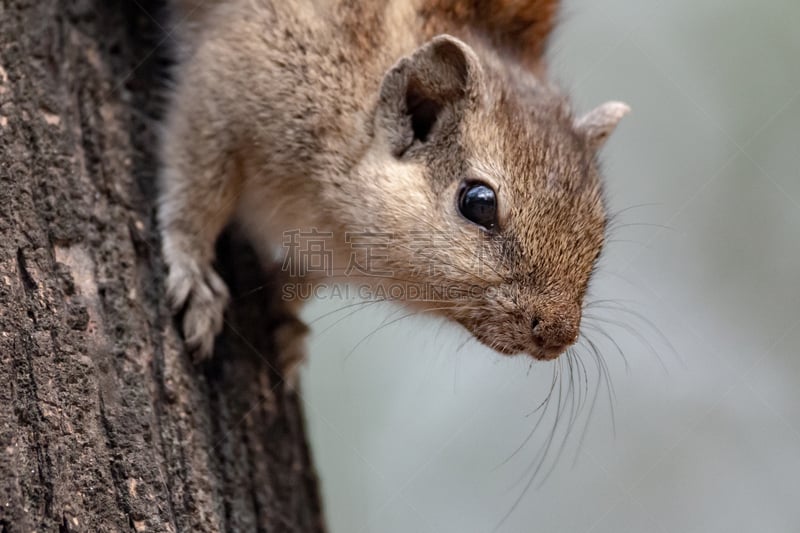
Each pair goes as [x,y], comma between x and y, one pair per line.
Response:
[418,89]
[601,122]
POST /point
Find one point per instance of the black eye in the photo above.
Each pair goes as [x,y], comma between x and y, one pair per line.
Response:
[478,204]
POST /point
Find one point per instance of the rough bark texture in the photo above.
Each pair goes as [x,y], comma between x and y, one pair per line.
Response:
[105,424]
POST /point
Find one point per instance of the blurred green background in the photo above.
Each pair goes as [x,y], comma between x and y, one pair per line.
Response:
[415,431]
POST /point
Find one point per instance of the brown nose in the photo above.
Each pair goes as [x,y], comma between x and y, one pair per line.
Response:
[554,333]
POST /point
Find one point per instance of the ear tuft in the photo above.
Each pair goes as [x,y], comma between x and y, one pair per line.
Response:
[597,125]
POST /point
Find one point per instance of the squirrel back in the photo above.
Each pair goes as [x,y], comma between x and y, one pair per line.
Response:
[519,27]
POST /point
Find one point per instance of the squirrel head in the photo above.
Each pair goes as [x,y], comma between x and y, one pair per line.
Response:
[492,192]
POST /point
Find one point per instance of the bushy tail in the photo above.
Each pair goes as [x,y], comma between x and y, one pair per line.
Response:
[520,26]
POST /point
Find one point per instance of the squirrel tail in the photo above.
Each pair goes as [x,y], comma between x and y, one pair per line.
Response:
[520,26]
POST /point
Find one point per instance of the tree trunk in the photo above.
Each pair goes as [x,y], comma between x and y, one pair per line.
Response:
[105,423]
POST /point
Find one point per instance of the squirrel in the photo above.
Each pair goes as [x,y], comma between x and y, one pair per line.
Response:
[400,117]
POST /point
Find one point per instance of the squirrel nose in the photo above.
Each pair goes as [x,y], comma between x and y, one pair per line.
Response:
[554,333]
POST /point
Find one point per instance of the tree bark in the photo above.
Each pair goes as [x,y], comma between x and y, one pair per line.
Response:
[105,423]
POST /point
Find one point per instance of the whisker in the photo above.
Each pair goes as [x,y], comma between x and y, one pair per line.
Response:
[342,319]
[616,214]
[589,415]
[543,405]
[617,306]
[616,227]
[342,308]
[608,337]
[540,459]
[387,324]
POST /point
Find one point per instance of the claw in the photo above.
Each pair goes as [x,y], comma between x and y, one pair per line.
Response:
[202,293]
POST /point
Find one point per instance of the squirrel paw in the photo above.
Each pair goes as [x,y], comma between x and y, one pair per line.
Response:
[290,339]
[203,296]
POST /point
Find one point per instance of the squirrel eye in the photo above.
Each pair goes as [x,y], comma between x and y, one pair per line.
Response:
[478,203]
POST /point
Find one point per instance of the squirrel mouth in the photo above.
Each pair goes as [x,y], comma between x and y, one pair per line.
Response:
[514,348]
[537,352]
[547,354]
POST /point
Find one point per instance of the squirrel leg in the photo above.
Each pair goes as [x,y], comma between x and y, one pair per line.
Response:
[200,192]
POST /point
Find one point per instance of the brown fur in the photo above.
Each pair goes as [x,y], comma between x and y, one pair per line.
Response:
[519,27]
[296,114]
